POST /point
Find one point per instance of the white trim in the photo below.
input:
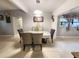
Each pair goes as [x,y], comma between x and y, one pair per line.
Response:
[68,37]
[8,35]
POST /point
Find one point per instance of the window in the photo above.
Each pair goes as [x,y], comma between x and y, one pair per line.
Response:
[63,22]
[69,22]
[75,22]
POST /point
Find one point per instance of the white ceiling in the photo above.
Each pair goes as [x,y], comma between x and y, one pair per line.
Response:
[31,5]
[73,11]
[45,5]
[5,5]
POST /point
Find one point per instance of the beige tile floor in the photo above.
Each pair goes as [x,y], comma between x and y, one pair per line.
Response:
[11,48]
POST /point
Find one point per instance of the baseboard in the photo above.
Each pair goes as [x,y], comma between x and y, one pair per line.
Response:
[8,35]
[68,37]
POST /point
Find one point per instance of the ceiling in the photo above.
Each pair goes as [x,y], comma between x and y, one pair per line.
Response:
[6,5]
[31,5]
[44,5]
[73,11]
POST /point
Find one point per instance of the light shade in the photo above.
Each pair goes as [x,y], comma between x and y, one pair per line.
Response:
[37,12]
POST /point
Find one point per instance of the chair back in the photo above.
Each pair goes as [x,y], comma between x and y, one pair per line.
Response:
[20,31]
[37,38]
[26,38]
[52,33]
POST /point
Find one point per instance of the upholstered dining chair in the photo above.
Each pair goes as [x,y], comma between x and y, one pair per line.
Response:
[37,39]
[52,34]
[19,32]
[26,39]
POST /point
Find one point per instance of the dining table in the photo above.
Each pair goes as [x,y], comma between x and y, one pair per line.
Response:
[46,34]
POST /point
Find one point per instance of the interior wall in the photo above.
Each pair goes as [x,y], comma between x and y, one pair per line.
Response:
[28,22]
[5,28]
[10,28]
[17,15]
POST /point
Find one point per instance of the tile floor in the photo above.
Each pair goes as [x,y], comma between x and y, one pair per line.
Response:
[61,48]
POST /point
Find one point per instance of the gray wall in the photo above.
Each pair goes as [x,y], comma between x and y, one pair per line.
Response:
[28,22]
[5,28]
[9,28]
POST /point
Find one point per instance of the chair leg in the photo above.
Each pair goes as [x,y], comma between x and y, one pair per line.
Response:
[33,46]
[52,40]
[41,46]
[20,41]
[24,47]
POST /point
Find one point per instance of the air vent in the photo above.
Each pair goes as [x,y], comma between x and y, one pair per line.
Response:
[37,1]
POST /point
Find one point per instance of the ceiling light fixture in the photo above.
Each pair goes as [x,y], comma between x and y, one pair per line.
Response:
[37,1]
[37,12]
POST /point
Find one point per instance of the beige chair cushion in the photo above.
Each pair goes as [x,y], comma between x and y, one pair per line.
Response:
[37,38]
[26,38]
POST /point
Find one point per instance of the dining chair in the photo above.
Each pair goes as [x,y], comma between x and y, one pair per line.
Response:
[19,32]
[26,39]
[37,39]
[52,34]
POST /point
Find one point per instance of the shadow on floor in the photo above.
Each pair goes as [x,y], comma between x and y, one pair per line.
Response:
[49,44]
[20,54]
[17,45]
[37,54]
